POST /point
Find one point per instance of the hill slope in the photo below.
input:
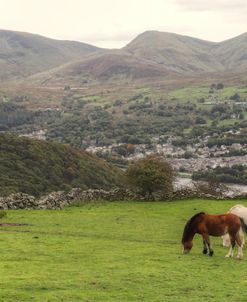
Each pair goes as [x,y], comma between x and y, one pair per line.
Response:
[38,167]
[24,54]
[232,53]
[187,54]
[112,65]
[175,52]
[154,54]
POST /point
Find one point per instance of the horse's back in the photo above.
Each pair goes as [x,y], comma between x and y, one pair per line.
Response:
[240,211]
[219,224]
[222,218]
[236,206]
[232,217]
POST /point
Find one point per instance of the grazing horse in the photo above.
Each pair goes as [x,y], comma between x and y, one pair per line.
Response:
[213,225]
[240,211]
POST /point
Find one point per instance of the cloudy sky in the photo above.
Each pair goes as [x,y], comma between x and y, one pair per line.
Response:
[113,23]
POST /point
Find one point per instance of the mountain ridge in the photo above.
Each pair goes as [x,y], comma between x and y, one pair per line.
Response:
[23,54]
[152,54]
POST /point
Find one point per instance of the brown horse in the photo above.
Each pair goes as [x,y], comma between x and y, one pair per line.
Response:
[213,225]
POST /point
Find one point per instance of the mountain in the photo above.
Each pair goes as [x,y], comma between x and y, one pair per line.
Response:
[23,54]
[109,66]
[155,54]
[190,55]
[232,53]
[174,52]
[38,167]
[150,55]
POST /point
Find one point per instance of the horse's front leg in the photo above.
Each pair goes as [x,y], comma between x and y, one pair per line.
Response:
[205,249]
[207,244]
[230,253]
[226,240]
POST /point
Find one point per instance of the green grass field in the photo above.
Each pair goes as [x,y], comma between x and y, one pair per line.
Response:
[115,252]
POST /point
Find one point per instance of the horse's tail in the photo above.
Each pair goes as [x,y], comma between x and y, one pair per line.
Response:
[243,225]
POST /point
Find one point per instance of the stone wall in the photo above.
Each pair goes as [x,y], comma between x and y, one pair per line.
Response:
[60,199]
[18,201]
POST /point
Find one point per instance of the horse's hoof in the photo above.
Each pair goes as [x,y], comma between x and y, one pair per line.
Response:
[228,256]
[239,258]
[211,253]
[204,252]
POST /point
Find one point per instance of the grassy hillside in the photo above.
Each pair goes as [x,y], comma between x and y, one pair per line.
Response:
[116,252]
[24,54]
[37,167]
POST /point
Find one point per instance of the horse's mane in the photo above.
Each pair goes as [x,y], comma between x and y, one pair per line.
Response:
[189,224]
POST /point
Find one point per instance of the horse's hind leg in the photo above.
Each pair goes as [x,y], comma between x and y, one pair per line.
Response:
[240,246]
[230,253]
[241,235]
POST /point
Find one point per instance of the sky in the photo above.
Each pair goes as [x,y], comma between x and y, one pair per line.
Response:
[114,23]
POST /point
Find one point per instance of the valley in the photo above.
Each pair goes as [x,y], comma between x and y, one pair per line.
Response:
[164,93]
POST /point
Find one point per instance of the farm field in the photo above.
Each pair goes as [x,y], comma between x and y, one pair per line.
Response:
[115,252]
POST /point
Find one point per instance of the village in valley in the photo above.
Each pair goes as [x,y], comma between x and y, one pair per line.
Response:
[189,158]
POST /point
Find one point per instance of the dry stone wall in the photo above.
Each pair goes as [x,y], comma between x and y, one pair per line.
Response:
[60,199]
[18,201]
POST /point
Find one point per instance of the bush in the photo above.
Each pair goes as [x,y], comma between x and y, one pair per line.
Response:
[2,214]
[151,176]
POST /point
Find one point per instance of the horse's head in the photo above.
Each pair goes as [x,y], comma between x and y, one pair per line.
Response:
[190,230]
[187,246]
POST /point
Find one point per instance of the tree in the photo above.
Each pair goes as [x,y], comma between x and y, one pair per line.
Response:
[200,120]
[235,97]
[220,86]
[151,175]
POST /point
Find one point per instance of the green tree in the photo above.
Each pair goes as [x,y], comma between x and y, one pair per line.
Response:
[151,175]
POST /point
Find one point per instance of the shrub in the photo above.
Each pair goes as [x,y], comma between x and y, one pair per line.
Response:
[150,176]
[2,214]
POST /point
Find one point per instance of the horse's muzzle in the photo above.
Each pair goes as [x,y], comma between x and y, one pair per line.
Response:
[186,251]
